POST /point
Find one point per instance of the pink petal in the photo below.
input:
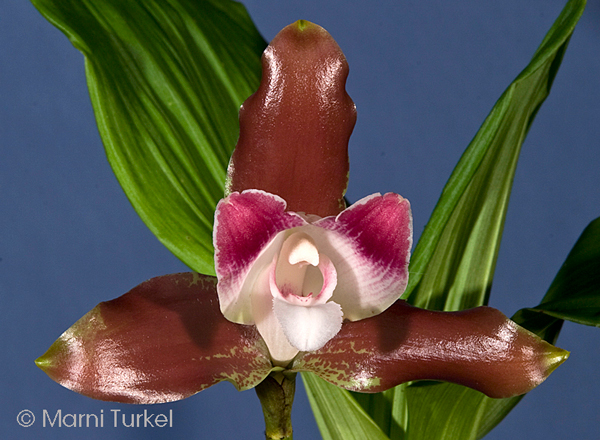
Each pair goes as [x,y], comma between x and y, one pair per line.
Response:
[245,224]
[369,244]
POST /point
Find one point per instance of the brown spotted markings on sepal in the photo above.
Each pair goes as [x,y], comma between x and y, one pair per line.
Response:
[294,130]
[164,340]
[479,348]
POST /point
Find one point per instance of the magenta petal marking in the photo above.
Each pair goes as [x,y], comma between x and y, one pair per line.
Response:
[370,249]
[245,224]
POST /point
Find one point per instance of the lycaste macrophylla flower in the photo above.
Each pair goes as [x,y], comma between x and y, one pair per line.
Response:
[304,284]
[296,277]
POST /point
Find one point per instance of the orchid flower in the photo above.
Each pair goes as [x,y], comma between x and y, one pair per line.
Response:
[303,282]
[297,277]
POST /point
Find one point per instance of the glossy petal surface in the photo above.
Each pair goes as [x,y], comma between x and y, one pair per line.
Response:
[479,348]
[294,130]
[164,340]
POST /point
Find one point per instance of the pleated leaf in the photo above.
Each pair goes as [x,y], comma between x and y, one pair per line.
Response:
[457,252]
[338,415]
[166,79]
[453,264]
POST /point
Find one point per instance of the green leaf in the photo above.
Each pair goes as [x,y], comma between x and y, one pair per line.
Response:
[338,415]
[574,295]
[453,264]
[453,412]
[166,79]
[390,417]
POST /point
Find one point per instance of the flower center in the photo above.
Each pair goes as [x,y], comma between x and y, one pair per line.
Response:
[297,272]
[302,282]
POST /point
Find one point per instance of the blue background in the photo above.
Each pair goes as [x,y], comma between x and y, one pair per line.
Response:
[423,74]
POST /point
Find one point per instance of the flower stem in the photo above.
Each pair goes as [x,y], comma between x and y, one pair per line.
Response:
[276,394]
